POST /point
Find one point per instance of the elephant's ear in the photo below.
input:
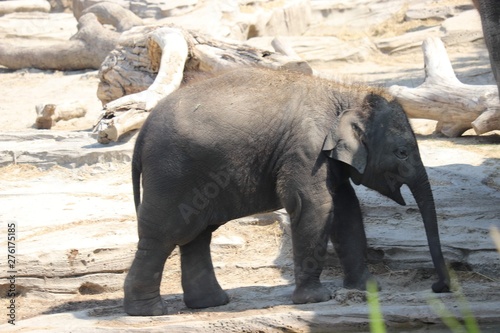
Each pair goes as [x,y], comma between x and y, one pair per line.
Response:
[345,143]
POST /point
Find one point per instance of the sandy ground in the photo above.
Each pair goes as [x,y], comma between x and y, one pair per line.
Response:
[76,231]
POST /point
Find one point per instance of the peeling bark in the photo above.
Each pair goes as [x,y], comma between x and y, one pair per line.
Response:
[174,53]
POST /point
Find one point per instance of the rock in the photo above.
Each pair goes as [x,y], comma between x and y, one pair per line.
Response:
[13,6]
[229,20]
[159,9]
[49,148]
[42,26]
[353,314]
[463,28]
[58,6]
[486,262]
[359,15]
[291,19]
[423,11]
[457,30]
[224,242]
[406,42]
[80,5]
[321,49]
[213,18]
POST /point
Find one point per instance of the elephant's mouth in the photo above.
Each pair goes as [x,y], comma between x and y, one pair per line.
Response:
[393,189]
[390,185]
[396,196]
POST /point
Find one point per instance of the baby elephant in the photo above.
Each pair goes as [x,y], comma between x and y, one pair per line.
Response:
[252,141]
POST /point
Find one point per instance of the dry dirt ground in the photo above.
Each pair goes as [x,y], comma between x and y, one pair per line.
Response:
[71,202]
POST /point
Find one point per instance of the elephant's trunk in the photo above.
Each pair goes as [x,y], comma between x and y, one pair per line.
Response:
[421,190]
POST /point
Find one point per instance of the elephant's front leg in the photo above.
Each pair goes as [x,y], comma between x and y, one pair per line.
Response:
[201,289]
[142,285]
[310,220]
[349,237]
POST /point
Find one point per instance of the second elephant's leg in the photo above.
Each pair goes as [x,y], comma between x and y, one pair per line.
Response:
[201,289]
[349,237]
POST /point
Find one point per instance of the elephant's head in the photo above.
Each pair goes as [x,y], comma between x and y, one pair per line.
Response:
[378,143]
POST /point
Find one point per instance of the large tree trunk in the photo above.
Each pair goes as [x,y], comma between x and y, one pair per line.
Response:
[150,63]
[133,65]
[84,50]
[113,14]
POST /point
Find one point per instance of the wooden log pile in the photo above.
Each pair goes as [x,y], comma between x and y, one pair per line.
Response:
[166,54]
[456,106]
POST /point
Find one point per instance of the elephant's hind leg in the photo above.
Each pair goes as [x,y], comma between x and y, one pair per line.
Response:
[201,289]
[142,285]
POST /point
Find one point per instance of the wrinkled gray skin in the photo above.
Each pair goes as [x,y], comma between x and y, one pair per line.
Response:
[253,141]
[489,10]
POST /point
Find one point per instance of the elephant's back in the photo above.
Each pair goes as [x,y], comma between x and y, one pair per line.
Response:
[231,109]
[240,118]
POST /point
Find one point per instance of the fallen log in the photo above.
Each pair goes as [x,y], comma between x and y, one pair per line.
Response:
[174,53]
[85,50]
[82,51]
[456,106]
[113,14]
[133,65]
[49,114]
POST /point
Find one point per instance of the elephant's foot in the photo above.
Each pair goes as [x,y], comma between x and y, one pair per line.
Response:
[311,293]
[358,281]
[201,289]
[142,284]
[145,307]
[441,287]
[205,298]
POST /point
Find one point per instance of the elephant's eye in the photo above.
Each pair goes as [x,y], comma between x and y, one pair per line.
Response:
[401,153]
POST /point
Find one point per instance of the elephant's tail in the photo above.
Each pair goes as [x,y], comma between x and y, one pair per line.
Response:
[136,179]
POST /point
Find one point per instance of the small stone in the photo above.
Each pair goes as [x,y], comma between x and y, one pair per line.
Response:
[228,242]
